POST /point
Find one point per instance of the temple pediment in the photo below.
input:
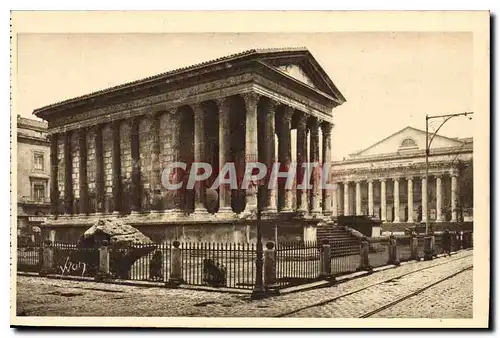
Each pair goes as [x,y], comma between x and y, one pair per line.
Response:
[406,140]
[297,73]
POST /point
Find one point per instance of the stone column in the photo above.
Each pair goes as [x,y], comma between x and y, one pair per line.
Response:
[302,203]
[439,198]
[270,154]
[155,177]
[82,177]
[454,195]
[383,200]
[370,197]
[99,170]
[424,200]
[174,119]
[396,200]
[410,199]
[251,149]
[358,198]
[199,156]
[335,200]
[68,176]
[116,168]
[285,156]
[347,210]
[135,187]
[54,188]
[314,158]
[326,130]
[224,154]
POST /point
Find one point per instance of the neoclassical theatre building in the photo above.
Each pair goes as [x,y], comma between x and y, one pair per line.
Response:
[387,181]
[109,148]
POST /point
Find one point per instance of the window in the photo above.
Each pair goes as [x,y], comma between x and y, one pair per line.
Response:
[39,191]
[38,160]
[408,143]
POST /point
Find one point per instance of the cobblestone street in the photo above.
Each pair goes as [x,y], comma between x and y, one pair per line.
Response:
[441,288]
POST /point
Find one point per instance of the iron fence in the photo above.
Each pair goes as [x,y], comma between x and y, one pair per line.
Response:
[29,257]
[378,252]
[218,264]
[345,257]
[229,265]
[298,262]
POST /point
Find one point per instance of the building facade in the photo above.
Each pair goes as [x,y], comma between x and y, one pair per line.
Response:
[33,176]
[387,181]
[108,148]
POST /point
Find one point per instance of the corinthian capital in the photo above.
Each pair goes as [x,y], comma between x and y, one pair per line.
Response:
[251,99]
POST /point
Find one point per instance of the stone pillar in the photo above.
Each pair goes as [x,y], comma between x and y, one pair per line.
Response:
[47,265]
[82,177]
[224,154]
[116,168]
[251,149]
[68,176]
[302,202]
[285,156]
[155,177]
[103,269]
[326,130]
[364,262]
[383,201]
[270,155]
[270,281]
[314,158]
[347,211]
[199,156]
[326,261]
[439,198]
[175,265]
[410,199]
[358,199]
[54,188]
[396,200]
[335,200]
[99,170]
[370,197]
[135,187]
[454,195]
[425,212]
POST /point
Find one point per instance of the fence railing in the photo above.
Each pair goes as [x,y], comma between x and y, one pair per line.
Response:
[229,265]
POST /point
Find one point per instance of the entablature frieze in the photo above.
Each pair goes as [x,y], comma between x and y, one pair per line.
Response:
[411,171]
[236,85]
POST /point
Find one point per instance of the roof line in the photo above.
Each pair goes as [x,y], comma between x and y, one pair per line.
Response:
[179,71]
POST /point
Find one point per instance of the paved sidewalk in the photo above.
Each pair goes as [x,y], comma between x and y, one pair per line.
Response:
[51,297]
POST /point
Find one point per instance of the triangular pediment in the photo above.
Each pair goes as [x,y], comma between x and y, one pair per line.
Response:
[297,73]
[406,140]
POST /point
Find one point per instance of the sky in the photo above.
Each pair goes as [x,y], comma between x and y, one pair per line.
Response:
[390,80]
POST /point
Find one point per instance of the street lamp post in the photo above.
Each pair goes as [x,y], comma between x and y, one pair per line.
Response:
[258,291]
[428,143]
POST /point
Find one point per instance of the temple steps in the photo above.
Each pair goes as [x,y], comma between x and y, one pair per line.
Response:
[341,241]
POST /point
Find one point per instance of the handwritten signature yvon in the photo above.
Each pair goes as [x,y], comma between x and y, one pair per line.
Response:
[71,266]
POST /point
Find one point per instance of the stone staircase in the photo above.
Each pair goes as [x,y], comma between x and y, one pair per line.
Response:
[342,242]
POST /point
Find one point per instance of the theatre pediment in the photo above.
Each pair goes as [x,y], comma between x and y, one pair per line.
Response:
[407,140]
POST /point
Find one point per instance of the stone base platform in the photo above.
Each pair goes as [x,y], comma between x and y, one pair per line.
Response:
[169,226]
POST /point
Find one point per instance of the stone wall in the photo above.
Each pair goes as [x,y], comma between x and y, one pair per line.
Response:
[168,128]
